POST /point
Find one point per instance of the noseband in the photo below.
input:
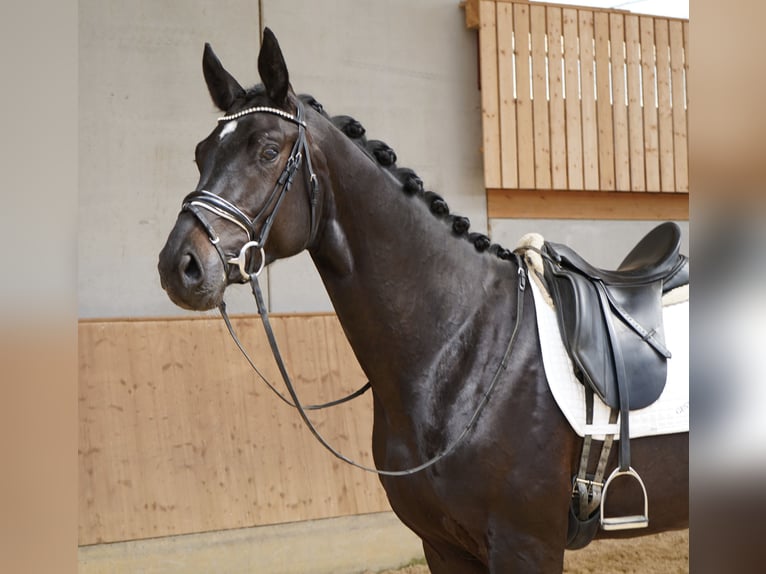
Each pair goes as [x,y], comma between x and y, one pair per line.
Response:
[264,219]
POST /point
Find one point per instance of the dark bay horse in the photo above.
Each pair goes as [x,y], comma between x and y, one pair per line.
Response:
[429,310]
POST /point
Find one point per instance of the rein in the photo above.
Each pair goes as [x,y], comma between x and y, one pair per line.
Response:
[223,208]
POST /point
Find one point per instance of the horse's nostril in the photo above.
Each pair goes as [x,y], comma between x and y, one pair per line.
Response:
[191,272]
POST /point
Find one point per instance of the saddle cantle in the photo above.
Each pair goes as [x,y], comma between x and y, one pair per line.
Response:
[611,321]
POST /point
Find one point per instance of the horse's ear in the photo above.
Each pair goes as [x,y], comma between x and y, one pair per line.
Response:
[272,68]
[223,88]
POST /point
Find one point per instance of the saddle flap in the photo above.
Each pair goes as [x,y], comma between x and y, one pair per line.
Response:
[591,329]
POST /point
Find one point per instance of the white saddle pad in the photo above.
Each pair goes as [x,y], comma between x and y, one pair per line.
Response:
[669,414]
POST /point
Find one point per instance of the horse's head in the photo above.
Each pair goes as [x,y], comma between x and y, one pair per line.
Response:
[241,216]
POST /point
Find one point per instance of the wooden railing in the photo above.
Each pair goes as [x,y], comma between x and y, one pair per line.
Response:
[581,99]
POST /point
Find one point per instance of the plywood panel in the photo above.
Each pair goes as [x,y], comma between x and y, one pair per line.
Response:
[178,435]
[524,118]
[556,86]
[489,95]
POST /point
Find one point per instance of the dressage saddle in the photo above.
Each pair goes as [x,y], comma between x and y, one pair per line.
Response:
[611,321]
[611,325]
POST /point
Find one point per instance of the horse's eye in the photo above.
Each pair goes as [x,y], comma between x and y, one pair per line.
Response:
[270,153]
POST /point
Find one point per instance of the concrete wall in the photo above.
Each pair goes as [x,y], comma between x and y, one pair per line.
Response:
[407,70]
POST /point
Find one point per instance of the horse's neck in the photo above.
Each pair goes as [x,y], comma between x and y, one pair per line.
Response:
[404,288]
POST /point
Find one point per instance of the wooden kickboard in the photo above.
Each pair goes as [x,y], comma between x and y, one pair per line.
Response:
[177,434]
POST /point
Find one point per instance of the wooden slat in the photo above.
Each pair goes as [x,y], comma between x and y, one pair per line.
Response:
[489,95]
[556,83]
[524,118]
[178,435]
[540,100]
[588,92]
[619,103]
[604,103]
[540,204]
[635,111]
[651,129]
[572,105]
[664,106]
[540,108]
[509,149]
[680,140]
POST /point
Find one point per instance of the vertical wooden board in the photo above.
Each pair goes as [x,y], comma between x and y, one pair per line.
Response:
[635,109]
[556,83]
[604,102]
[619,103]
[506,79]
[664,107]
[525,125]
[649,85]
[588,90]
[540,99]
[489,95]
[572,106]
[680,139]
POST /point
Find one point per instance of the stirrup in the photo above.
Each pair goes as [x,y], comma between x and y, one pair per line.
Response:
[624,522]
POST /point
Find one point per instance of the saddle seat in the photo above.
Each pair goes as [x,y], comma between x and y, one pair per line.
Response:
[656,257]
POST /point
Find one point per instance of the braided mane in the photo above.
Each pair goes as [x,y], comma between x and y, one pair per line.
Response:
[412,185]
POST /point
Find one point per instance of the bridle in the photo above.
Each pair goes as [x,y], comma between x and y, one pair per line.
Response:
[203,199]
[221,207]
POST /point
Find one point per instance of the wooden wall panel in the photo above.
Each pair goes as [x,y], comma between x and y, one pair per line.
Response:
[178,435]
[599,98]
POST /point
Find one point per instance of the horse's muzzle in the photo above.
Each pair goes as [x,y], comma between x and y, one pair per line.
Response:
[190,270]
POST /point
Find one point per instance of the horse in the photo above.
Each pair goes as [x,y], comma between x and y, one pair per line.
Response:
[436,316]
